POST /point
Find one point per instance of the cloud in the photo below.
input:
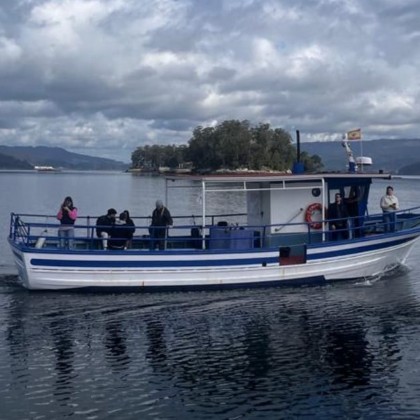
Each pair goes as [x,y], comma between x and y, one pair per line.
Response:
[107,76]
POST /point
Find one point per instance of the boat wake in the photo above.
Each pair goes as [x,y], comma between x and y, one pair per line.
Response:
[392,271]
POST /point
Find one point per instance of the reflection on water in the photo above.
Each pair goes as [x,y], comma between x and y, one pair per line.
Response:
[61,330]
[156,351]
[272,353]
[115,343]
[347,354]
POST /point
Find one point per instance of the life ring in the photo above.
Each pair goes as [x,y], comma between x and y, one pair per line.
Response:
[313,208]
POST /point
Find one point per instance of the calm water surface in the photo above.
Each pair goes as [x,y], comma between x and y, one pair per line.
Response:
[349,350]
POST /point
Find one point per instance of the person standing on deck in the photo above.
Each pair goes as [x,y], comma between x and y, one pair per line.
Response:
[389,204]
[67,215]
[338,215]
[161,220]
[352,205]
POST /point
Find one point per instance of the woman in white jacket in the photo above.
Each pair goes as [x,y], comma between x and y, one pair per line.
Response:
[389,204]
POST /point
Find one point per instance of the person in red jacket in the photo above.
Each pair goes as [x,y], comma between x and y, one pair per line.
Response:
[67,215]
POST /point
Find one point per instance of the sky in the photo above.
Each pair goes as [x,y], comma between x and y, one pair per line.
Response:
[103,77]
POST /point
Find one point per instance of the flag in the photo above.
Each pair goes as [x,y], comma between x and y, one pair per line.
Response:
[354,134]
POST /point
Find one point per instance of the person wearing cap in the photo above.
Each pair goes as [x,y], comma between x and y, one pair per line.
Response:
[104,225]
[161,219]
[389,204]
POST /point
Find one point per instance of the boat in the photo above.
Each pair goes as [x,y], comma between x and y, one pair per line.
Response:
[283,238]
[46,169]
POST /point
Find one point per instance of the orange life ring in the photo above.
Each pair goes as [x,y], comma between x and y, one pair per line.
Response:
[313,208]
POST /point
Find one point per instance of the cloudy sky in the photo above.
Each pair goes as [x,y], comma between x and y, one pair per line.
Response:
[102,77]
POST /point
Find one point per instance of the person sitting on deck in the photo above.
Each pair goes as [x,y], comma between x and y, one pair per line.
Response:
[131,228]
[104,226]
[120,233]
[338,215]
[161,219]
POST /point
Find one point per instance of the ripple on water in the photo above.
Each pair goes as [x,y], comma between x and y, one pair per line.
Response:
[271,353]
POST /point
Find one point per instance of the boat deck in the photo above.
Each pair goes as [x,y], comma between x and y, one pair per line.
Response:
[26,231]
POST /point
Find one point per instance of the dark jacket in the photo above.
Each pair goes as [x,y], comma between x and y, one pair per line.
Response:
[338,211]
[104,224]
[161,217]
[130,228]
[120,234]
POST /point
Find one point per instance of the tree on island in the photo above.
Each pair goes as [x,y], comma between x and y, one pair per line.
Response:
[152,157]
[230,145]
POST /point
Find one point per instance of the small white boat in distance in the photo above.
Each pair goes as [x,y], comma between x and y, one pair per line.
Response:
[46,169]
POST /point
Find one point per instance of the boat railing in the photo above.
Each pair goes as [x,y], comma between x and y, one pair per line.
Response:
[42,231]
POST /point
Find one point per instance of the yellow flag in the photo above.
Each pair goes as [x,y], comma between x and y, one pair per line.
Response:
[354,134]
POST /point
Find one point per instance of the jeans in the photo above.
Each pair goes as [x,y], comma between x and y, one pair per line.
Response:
[66,235]
[390,219]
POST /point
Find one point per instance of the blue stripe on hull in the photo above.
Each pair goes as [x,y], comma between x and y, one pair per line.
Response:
[356,250]
[151,264]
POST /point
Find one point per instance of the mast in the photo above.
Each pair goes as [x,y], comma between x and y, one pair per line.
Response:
[298,166]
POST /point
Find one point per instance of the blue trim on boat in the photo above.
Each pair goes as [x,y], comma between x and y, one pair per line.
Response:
[141,252]
[151,264]
[356,249]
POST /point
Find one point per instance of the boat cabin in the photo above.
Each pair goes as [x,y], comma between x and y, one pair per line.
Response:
[286,209]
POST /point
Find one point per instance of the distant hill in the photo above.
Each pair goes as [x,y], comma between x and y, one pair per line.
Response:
[9,162]
[396,156]
[413,169]
[24,156]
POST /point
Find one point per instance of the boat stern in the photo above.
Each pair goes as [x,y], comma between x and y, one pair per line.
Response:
[20,263]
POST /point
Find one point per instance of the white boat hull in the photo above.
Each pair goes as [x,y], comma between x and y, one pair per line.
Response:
[54,270]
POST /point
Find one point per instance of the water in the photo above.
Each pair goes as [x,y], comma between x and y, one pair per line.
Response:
[349,350]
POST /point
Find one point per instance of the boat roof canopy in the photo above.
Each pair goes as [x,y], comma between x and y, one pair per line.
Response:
[235,178]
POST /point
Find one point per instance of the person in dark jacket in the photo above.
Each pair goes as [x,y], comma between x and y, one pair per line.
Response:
[352,205]
[120,233]
[104,225]
[67,215]
[338,216]
[131,228]
[161,220]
